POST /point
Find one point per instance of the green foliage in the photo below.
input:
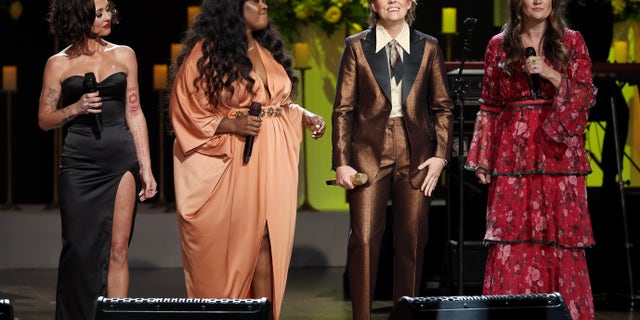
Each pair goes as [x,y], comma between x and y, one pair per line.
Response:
[626,10]
[329,15]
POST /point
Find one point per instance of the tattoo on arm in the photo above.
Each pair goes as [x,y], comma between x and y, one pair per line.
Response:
[134,109]
[52,99]
[133,100]
[141,144]
[138,131]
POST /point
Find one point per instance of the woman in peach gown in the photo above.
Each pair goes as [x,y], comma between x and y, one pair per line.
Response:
[236,219]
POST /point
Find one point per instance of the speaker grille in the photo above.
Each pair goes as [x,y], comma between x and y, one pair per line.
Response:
[493,301]
[494,307]
[185,308]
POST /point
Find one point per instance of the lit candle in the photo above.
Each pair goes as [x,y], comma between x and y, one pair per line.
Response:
[9,78]
[301,55]
[160,76]
[621,51]
[191,13]
[500,12]
[448,20]
[175,50]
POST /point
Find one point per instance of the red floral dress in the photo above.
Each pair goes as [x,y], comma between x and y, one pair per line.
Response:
[538,223]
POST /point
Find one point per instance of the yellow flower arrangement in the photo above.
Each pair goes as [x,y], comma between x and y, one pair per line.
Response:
[330,15]
[626,10]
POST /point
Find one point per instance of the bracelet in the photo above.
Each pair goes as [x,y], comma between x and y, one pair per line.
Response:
[444,161]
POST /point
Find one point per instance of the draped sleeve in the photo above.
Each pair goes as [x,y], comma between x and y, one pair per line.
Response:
[193,115]
[482,152]
[517,133]
[576,94]
[200,156]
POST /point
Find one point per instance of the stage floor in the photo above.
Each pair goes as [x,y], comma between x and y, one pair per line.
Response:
[29,247]
[312,293]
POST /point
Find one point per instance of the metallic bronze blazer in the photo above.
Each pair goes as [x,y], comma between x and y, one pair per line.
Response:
[363,103]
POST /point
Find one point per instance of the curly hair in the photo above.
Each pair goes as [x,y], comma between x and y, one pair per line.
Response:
[552,45]
[72,20]
[221,27]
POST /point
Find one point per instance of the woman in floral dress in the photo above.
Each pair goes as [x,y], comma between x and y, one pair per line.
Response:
[528,146]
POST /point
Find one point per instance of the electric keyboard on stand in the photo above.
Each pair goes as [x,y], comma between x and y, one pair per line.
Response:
[623,72]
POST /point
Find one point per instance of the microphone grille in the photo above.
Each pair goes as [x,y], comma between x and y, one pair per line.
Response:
[529,51]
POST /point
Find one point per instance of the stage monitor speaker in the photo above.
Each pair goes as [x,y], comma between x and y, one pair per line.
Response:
[491,307]
[181,309]
[6,311]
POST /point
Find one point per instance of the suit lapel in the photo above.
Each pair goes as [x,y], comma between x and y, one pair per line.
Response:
[378,62]
[411,64]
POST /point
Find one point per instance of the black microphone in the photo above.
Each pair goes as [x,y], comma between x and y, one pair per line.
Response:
[468,25]
[535,78]
[254,110]
[91,85]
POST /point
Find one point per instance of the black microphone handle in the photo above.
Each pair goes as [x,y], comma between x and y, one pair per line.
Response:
[535,78]
[91,85]
[254,110]
[248,146]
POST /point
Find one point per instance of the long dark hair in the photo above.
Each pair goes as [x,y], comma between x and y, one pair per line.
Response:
[552,44]
[72,20]
[220,25]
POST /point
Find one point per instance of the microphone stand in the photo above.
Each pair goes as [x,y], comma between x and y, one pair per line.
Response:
[306,205]
[459,91]
[627,243]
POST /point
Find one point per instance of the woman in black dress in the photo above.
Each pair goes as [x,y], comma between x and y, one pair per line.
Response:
[105,155]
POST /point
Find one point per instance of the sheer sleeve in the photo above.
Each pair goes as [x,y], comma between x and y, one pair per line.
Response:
[575,95]
[567,120]
[482,151]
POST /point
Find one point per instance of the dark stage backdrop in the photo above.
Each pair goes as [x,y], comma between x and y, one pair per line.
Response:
[149,28]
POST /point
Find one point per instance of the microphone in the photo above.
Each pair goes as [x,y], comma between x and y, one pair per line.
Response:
[535,78]
[254,110]
[357,179]
[468,25]
[91,85]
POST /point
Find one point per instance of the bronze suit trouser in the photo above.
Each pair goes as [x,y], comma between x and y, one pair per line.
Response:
[368,205]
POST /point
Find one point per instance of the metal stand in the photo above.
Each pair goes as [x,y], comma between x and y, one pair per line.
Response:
[8,204]
[462,154]
[57,152]
[628,244]
[306,206]
[625,155]
[449,38]
[162,202]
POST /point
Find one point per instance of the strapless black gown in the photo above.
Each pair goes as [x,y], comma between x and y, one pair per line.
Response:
[91,169]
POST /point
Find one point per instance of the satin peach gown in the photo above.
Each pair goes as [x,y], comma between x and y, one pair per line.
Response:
[223,205]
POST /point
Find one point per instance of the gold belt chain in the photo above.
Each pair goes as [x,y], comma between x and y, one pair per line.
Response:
[271,112]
